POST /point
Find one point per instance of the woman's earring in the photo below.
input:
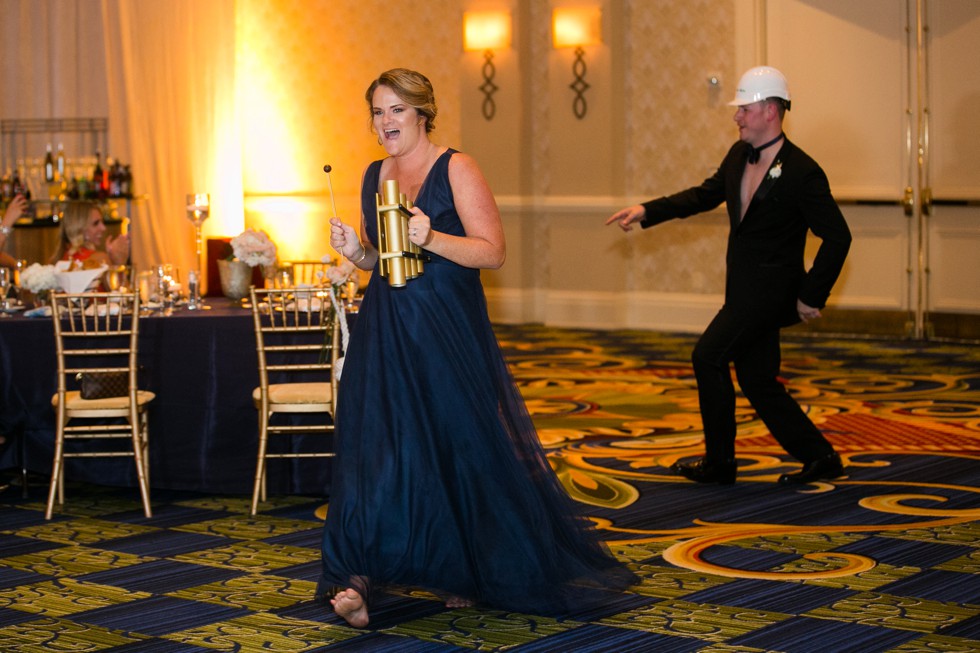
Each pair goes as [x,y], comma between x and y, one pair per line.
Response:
[379,141]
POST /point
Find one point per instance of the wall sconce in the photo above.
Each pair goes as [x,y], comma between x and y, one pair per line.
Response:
[487,31]
[576,27]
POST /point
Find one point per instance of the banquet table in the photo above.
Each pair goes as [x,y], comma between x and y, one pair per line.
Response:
[202,366]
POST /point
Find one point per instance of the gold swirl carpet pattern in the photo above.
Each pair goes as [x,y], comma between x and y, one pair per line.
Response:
[885,559]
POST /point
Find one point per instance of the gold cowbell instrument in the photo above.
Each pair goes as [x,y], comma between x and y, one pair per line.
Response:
[401,260]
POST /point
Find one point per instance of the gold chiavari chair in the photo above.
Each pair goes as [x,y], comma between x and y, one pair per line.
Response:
[304,273]
[96,337]
[297,338]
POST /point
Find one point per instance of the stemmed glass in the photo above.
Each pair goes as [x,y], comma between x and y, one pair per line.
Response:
[117,278]
[4,289]
[198,209]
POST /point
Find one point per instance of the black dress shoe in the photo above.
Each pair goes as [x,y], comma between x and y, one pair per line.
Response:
[829,466]
[702,471]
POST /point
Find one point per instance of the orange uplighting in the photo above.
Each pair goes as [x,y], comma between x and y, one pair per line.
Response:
[275,186]
[294,223]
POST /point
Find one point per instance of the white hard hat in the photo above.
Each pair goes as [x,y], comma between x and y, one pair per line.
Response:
[761,83]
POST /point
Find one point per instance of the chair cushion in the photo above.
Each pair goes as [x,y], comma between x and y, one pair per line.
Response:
[296,393]
[74,401]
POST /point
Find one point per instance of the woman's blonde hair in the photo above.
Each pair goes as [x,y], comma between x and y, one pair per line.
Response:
[412,87]
[73,224]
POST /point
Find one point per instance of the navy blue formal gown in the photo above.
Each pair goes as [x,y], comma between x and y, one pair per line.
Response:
[440,481]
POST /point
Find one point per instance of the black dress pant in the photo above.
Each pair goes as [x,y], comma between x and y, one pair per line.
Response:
[752,344]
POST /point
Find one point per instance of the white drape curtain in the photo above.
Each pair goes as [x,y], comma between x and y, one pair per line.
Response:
[170,70]
[51,53]
[164,75]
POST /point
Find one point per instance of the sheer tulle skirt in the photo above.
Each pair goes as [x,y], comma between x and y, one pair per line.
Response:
[440,481]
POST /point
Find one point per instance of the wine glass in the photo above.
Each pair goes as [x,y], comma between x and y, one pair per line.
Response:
[21,265]
[198,209]
[349,292]
[146,283]
[117,278]
[4,288]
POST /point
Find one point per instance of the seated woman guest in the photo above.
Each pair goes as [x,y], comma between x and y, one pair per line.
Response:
[82,230]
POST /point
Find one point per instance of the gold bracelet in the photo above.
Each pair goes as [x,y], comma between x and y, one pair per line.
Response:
[5,230]
[363,256]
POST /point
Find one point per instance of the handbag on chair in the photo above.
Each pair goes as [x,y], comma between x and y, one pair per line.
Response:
[102,385]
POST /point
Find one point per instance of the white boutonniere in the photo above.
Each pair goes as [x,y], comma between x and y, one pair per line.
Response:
[776,170]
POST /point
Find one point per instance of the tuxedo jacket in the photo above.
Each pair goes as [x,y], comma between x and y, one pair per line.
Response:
[765,266]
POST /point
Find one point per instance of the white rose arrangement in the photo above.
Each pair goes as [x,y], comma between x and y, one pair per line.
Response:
[337,275]
[39,278]
[776,170]
[254,248]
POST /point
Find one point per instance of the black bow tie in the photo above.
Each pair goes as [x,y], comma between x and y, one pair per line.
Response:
[754,152]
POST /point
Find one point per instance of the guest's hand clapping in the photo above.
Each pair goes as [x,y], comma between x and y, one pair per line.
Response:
[15,208]
[117,249]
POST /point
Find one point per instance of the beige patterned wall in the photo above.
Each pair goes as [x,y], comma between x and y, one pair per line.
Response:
[304,66]
[679,125]
[678,129]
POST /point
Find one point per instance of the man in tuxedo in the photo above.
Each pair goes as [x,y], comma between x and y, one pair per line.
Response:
[774,194]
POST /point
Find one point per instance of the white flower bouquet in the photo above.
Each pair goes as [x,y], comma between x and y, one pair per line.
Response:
[254,248]
[39,278]
[337,275]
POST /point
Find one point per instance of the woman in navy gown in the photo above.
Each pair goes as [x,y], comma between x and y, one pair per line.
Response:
[440,481]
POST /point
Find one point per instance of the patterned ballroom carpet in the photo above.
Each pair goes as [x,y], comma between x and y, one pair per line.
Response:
[886,559]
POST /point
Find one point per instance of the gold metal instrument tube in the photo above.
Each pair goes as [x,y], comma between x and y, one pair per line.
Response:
[395,234]
[411,249]
[401,260]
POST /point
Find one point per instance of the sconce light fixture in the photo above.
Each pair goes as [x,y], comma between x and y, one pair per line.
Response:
[576,27]
[487,31]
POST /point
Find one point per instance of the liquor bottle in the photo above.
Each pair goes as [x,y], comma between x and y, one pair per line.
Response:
[127,182]
[95,190]
[85,188]
[18,187]
[60,163]
[48,165]
[104,181]
[7,186]
[115,174]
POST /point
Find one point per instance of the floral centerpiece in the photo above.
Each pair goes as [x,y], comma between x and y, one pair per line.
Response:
[338,275]
[341,282]
[40,280]
[248,249]
[253,248]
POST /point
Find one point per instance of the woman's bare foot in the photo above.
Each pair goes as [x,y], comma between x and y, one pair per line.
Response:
[458,602]
[350,605]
